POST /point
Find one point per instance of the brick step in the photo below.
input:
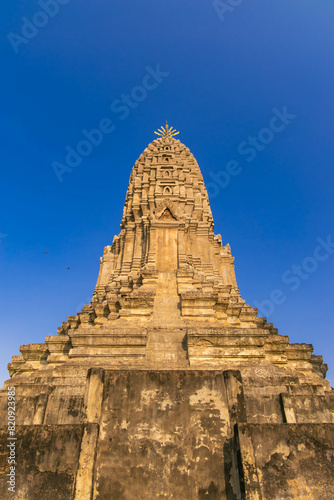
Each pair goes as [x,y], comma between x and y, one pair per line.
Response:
[166,306]
[167,346]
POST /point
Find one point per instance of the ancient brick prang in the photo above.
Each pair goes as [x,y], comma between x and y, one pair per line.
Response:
[167,385]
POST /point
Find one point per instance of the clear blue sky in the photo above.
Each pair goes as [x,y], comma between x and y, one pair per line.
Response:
[223,74]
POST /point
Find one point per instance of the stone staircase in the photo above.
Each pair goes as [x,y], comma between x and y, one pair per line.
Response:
[167,343]
[166,305]
[167,348]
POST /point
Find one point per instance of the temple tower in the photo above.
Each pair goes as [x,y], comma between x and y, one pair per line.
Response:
[167,385]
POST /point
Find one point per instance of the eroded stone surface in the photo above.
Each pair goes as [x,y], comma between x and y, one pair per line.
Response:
[287,461]
[169,428]
[47,461]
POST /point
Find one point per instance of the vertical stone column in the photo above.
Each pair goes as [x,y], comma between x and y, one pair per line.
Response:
[182,258]
[226,269]
[152,248]
[137,253]
[146,240]
[193,252]
[120,245]
[40,409]
[85,476]
[94,394]
[235,396]
[106,268]
[128,248]
[249,479]
[204,247]
[233,280]
[288,412]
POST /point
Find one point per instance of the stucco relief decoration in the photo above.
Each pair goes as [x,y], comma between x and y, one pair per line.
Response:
[164,208]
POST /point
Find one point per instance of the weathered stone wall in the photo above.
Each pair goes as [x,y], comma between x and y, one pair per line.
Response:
[47,459]
[164,436]
[283,461]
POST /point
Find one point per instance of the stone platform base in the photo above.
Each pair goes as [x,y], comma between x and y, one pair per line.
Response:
[181,435]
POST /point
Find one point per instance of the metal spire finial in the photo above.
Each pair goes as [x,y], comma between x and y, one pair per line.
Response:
[166,131]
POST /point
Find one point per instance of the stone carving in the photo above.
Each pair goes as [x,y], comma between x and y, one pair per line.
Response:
[168,206]
[166,215]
